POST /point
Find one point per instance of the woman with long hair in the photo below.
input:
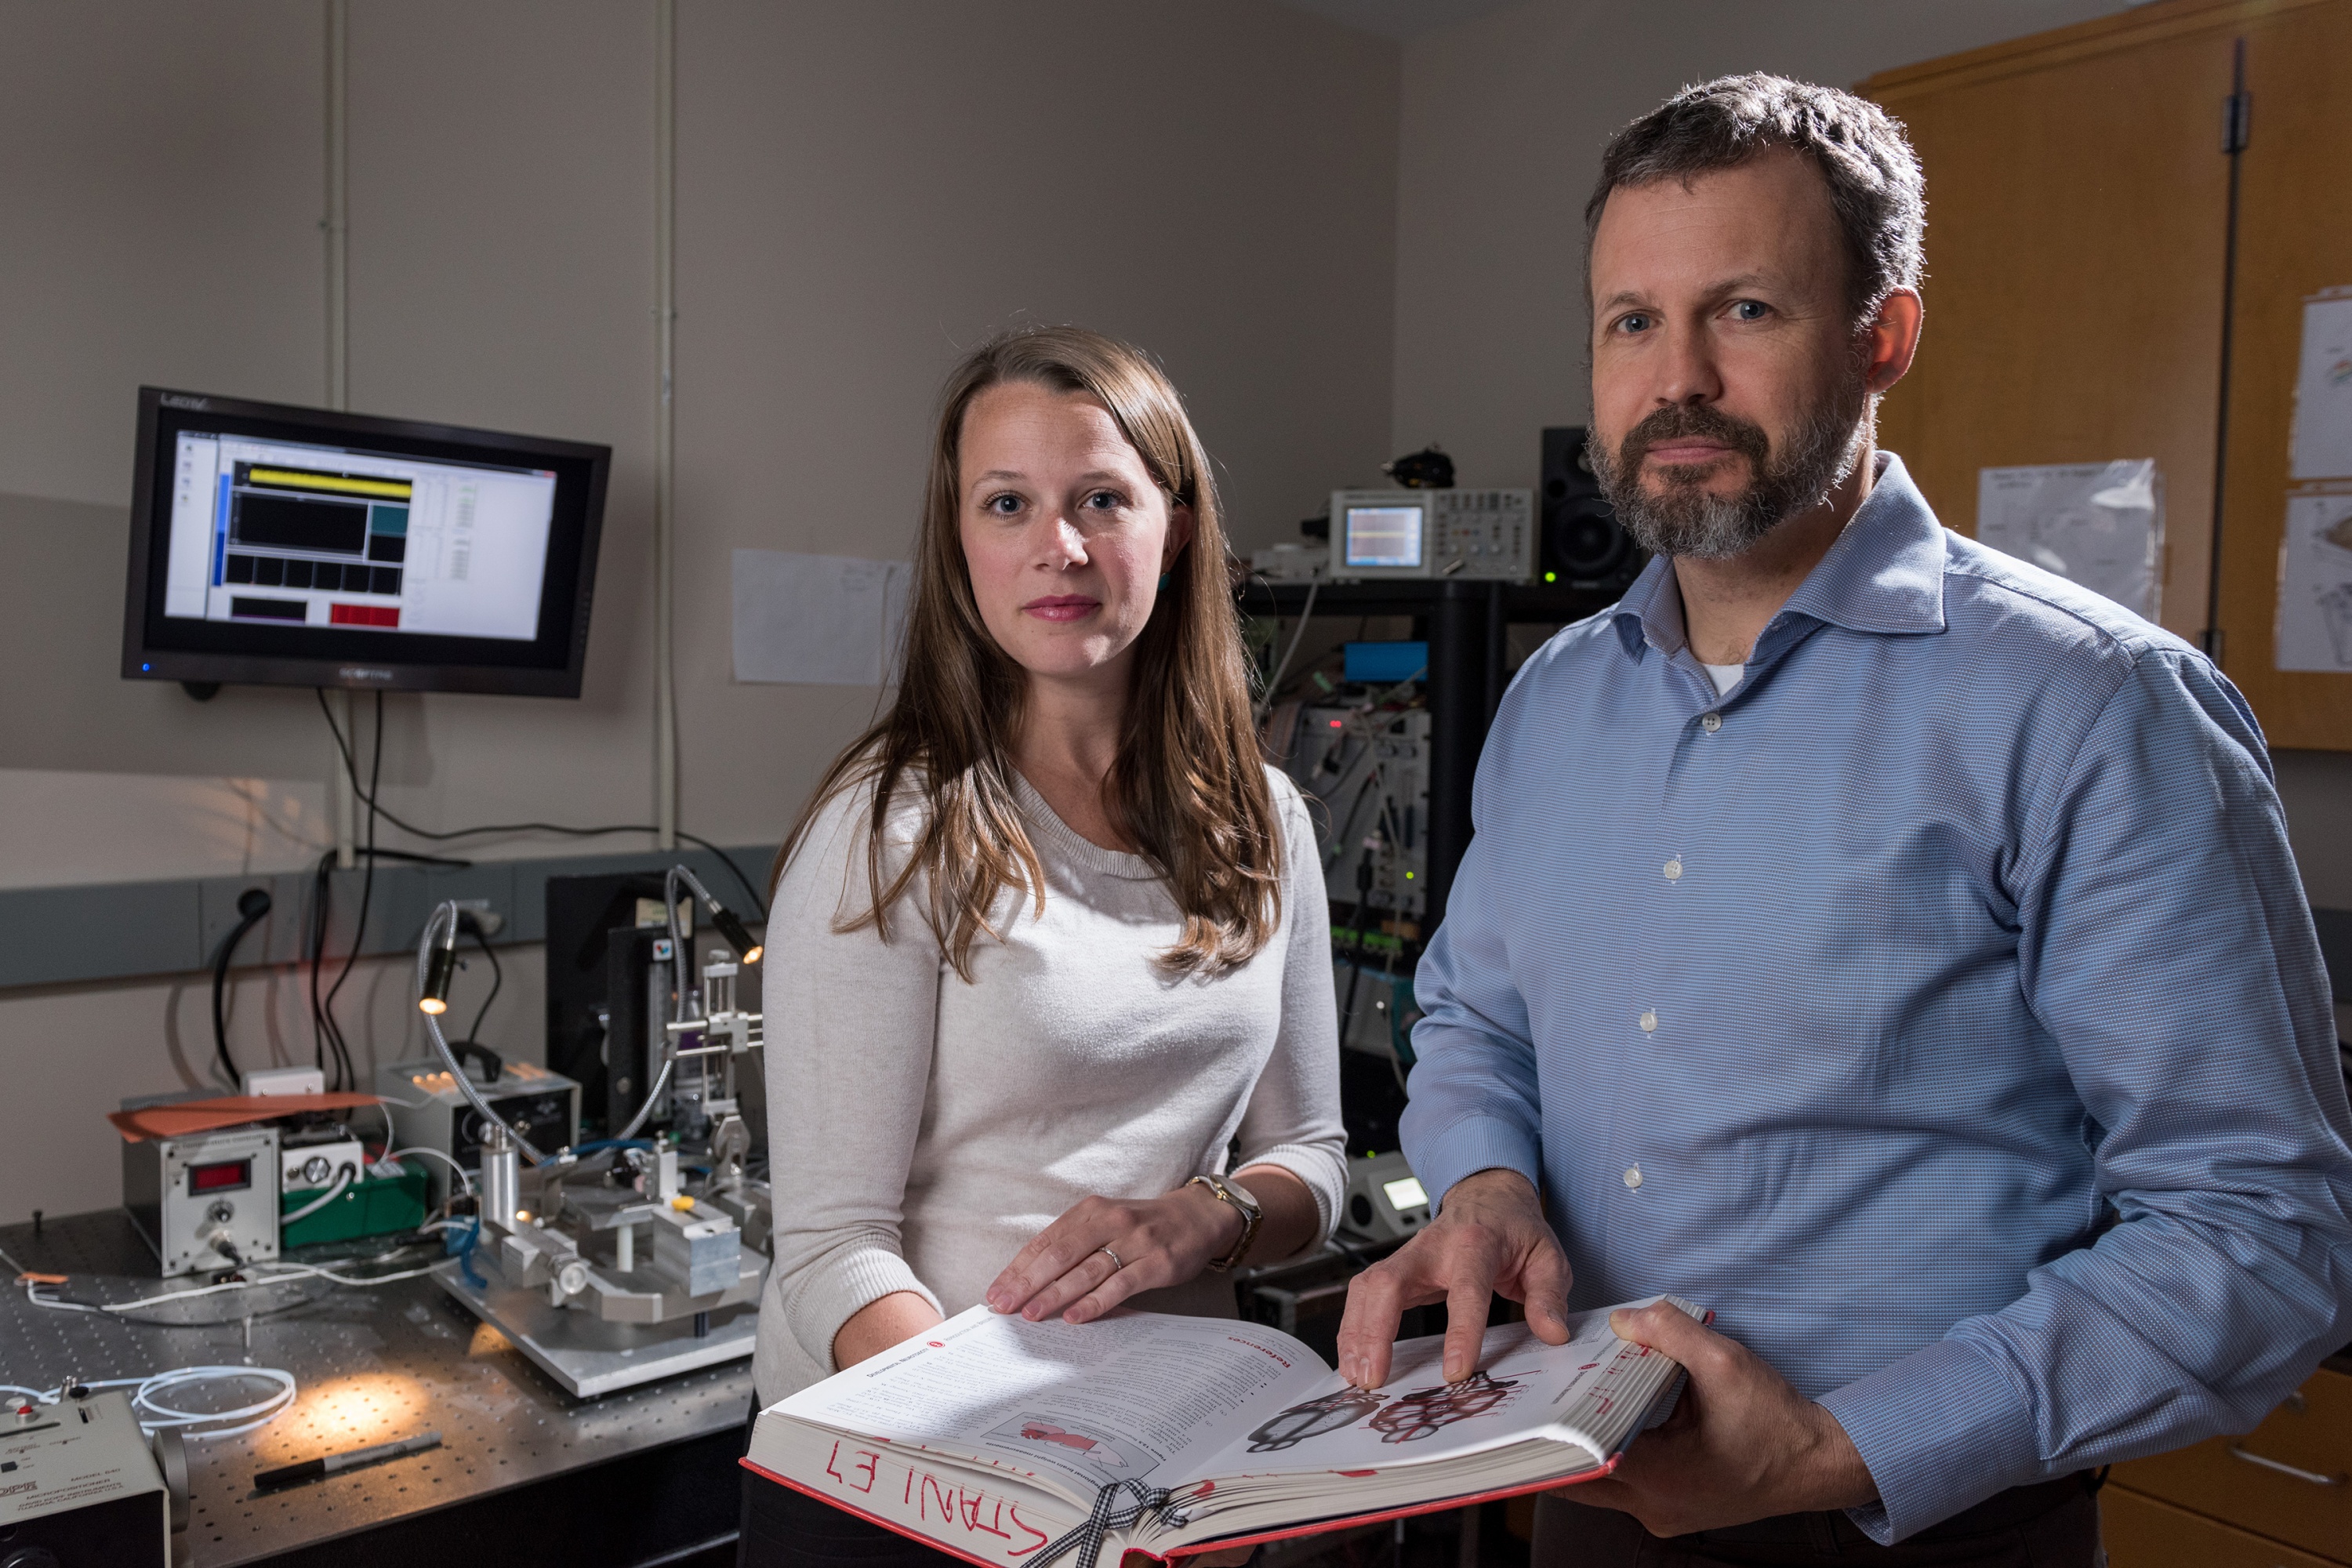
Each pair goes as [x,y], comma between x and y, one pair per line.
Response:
[1048,945]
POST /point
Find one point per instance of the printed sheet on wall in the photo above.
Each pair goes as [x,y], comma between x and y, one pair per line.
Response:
[2315,575]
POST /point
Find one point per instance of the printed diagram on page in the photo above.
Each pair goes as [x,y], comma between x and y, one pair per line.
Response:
[2322,446]
[1425,1412]
[2100,525]
[1110,1457]
[2314,599]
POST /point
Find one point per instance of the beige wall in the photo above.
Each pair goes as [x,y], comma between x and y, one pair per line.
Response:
[1504,119]
[865,187]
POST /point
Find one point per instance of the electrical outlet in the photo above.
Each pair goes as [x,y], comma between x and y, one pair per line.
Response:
[479,910]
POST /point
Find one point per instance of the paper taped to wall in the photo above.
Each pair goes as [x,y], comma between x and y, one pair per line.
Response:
[818,620]
[2323,389]
[2097,524]
[2315,600]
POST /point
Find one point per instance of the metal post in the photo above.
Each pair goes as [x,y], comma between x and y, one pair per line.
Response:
[343,805]
[664,422]
[1457,724]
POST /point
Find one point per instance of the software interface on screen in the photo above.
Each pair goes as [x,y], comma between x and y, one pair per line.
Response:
[273,533]
[1383,536]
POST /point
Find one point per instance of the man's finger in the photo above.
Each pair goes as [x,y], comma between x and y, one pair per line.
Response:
[1544,1281]
[1368,1328]
[1465,1325]
[1671,1331]
[1377,1300]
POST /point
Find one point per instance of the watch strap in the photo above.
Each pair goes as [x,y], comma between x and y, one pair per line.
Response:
[1243,1204]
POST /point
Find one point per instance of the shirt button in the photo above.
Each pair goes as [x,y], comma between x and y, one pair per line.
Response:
[1711,723]
[1633,1176]
[1649,1023]
[1674,869]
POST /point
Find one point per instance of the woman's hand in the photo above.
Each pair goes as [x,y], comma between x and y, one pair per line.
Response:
[1158,1241]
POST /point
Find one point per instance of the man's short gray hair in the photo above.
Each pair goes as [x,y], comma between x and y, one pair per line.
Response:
[1873,175]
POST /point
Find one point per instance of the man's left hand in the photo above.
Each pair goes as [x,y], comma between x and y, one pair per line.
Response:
[1742,1444]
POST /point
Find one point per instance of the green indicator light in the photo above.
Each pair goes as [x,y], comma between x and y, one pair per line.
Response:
[1551,576]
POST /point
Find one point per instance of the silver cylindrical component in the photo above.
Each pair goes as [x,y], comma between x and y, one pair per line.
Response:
[625,1249]
[501,1176]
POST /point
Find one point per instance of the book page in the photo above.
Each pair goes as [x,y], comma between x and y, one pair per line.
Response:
[1588,1393]
[1123,1398]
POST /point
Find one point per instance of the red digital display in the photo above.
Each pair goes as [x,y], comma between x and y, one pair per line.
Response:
[224,1177]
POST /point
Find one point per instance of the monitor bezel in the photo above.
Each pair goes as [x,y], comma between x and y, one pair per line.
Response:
[552,664]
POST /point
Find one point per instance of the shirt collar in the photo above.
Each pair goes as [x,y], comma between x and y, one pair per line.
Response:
[1885,573]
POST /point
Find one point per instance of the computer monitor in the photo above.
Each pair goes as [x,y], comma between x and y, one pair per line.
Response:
[281,546]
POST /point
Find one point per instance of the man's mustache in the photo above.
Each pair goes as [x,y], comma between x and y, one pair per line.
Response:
[1686,419]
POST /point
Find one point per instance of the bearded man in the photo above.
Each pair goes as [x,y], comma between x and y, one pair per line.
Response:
[1889,944]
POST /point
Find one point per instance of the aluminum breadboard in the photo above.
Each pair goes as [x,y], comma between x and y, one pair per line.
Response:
[370,1364]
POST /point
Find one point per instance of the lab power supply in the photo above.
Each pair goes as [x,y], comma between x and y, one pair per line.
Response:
[430,1111]
[1368,774]
[205,1200]
[80,1485]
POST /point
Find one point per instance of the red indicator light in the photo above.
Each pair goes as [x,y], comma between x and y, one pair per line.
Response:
[226,1176]
[1337,723]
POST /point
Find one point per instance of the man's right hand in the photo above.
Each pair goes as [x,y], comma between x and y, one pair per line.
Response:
[1489,1238]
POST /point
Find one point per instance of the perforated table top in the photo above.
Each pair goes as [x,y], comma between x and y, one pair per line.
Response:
[370,1365]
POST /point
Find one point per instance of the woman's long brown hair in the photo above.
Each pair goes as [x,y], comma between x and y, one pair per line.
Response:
[1188,786]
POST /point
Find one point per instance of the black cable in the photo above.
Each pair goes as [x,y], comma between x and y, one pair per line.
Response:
[352,769]
[347,1069]
[497,974]
[314,951]
[251,906]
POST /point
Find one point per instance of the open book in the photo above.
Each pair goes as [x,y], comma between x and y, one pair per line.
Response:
[1005,1441]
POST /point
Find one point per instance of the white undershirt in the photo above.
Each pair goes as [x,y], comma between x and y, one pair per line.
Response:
[1725,675]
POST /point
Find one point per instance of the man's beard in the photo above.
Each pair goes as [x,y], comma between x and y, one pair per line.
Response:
[1688,519]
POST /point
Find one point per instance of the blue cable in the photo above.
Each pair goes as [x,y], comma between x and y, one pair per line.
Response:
[463,1251]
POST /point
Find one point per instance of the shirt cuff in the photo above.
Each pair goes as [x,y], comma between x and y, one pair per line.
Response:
[1940,1430]
[1321,1170]
[1466,1147]
[839,1288]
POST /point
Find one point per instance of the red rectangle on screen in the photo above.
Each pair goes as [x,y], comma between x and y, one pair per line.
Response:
[364,615]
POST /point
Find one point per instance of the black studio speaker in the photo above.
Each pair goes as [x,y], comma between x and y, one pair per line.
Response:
[1582,546]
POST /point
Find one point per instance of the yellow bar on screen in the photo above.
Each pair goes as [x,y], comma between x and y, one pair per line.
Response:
[297,479]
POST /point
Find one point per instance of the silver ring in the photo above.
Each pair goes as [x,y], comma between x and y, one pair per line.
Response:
[1115,1264]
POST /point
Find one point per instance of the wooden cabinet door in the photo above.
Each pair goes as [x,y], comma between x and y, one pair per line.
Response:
[2077,217]
[2140,1531]
[2295,238]
[2290,1478]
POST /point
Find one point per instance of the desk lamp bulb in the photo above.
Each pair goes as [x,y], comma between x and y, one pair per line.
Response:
[440,968]
[734,930]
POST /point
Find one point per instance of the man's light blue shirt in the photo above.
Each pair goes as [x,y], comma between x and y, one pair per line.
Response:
[1940,1005]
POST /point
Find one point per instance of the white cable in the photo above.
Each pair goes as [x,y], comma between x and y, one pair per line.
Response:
[447,909]
[157,1414]
[463,1174]
[342,1183]
[154,1415]
[1275,680]
[278,1274]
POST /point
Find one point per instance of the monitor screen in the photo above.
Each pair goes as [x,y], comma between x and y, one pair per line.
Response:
[1405,1193]
[290,546]
[1382,536]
